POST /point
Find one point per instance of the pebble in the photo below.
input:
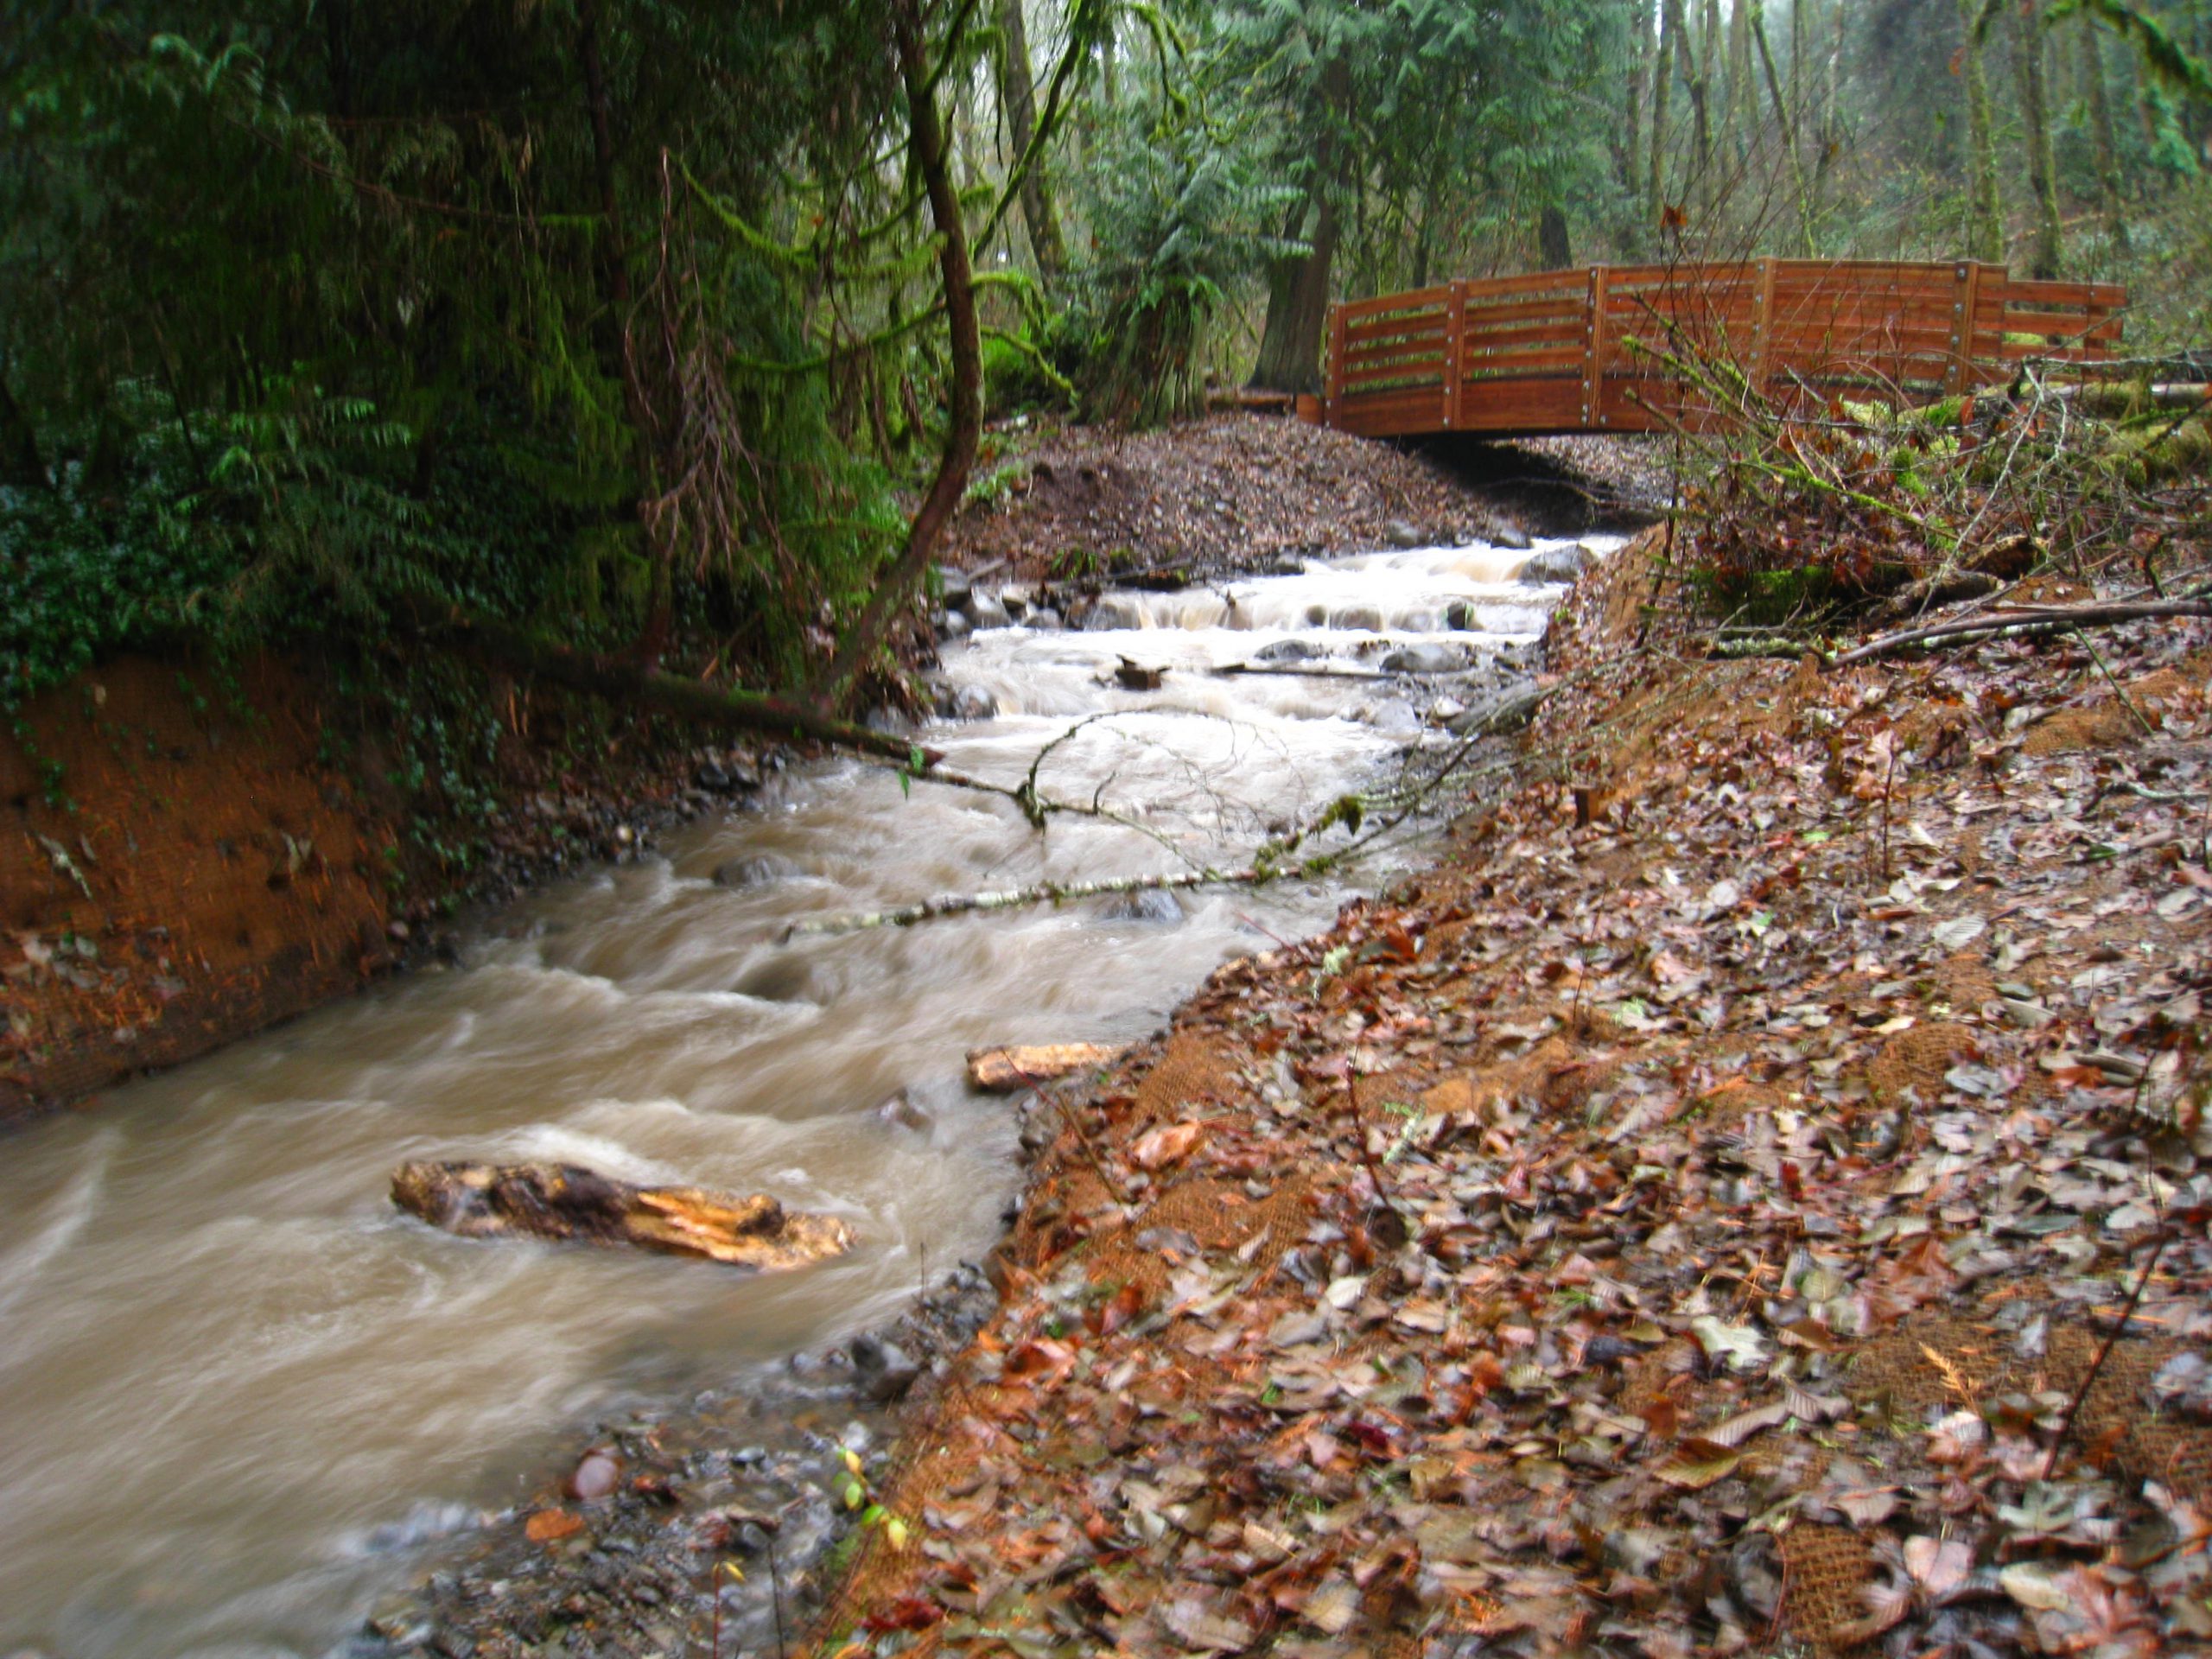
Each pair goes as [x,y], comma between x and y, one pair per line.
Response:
[597,1475]
[968,702]
[1507,711]
[1112,613]
[886,1371]
[903,1109]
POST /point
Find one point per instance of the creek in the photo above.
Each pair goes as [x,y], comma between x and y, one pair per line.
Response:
[241,1396]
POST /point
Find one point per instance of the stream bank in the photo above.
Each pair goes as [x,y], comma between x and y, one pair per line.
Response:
[1749,1190]
[199,849]
[246,1397]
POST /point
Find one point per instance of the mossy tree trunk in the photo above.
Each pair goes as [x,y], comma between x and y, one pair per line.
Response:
[932,161]
[2027,51]
[1017,98]
[1985,213]
[1298,287]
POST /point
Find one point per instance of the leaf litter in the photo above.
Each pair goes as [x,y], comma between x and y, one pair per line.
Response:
[1696,1224]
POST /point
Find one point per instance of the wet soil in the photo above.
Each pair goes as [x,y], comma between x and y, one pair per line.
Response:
[192,853]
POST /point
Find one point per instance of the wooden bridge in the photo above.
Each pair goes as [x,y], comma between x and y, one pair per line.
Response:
[1639,348]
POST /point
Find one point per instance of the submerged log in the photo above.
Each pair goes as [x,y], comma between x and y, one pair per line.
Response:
[1001,1071]
[565,1201]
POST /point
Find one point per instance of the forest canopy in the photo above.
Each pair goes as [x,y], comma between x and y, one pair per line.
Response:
[670,331]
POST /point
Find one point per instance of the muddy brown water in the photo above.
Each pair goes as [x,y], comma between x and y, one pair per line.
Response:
[240,1394]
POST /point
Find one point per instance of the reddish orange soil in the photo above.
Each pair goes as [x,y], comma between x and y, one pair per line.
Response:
[176,869]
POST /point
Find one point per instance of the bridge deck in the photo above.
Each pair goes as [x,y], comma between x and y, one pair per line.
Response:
[1638,348]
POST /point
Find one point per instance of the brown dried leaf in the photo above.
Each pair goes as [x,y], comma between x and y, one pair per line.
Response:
[1156,1149]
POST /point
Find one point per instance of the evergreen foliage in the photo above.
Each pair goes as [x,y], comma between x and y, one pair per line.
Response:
[625,323]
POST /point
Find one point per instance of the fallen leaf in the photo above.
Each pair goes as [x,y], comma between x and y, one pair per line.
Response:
[1739,1345]
[1698,1463]
[1937,1565]
[547,1526]
[2035,1587]
[1156,1149]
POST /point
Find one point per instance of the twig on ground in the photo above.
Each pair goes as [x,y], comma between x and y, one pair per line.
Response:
[2104,1352]
[2027,618]
[2118,689]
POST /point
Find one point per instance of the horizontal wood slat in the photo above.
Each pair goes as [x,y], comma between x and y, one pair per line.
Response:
[1592,349]
[1419,326]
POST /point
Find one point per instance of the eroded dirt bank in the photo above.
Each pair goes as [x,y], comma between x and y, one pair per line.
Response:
[178,869]
[188,854]
[1688,1220]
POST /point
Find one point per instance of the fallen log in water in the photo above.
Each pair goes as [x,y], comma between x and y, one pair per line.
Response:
[1001,1071]
[565,1201]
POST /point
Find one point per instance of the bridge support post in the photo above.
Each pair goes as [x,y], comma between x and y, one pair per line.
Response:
[1761,328]
[1966,299]
[1593,352]
[1455,357]
[1335,386]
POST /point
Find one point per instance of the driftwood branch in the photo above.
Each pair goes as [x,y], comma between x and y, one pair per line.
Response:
[2024,620]
[1301,670]
[1043,892]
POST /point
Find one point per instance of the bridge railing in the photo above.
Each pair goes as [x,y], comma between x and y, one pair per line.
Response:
[1627,348]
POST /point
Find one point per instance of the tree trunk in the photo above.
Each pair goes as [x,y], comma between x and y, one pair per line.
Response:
[628,684]
[1784,119]
[1551,244]
[1739,119]
[2034,111]
[1663,82]
[1298,304]
[1690,55]
[896,589]
[2102,135]
[1297,287]
[1642,19]
[1831,92]
[1017,98]
[1701,96]
[21,466]
[660,605]
[1985,213]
